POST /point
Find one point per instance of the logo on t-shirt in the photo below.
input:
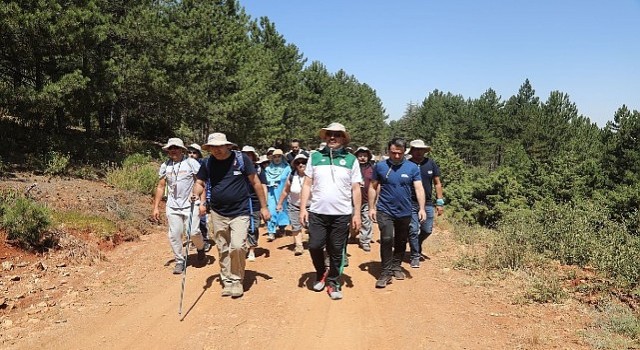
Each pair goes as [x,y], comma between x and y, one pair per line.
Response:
[237,172]
[429,172]
[342,162]
[404,175]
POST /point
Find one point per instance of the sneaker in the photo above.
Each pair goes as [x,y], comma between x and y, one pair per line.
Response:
[201,255]
[318,286]
[366,247]
[251,256]
[399,275]
[298,250]
[237,290]
[346,261]
[334,292]
[226,290]
[383,281]
[179,268]
[207,246]
[415,263]
[271,237]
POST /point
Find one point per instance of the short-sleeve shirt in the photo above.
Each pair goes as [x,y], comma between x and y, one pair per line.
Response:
[333,173]
[396,186]
[179,177]
[255,202]
[428,170]
[229,184]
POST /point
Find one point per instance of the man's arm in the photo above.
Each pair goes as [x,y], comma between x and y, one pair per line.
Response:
[356,192]
[158,197]
[438,185]
[257,187]
[373,196]
[422,215]
[199,192]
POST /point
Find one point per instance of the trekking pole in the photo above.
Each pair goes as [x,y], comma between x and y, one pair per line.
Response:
[186,254]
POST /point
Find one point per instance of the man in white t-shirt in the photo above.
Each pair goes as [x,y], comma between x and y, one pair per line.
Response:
[333,183]
[178,175]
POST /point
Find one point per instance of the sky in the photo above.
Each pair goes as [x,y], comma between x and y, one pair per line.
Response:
[405,49]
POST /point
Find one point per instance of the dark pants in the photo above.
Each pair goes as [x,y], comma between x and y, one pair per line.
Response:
[394,233]
[204,229]
[332,231]
[254,224]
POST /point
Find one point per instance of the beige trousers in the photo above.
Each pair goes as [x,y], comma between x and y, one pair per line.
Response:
[230,235]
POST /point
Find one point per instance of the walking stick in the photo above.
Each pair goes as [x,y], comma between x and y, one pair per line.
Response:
[186,254]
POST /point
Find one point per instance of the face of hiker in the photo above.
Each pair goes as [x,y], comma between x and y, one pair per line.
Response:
[276,159]
[396,154]
[220,152]
[295,147]
[300,166]
[363,157]
[175,153]
[193,153]
[417,154]
[334,139]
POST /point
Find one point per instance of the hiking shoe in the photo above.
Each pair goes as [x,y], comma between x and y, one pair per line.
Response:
[415,263]
[179,268]
[271,237]
[346,261]
[251,256]
[226,290]
[318,286]
[298,250]
[207,246]
[383,281]
[237,290]
[366,247]
[334,292]
[399,275]
[201,255]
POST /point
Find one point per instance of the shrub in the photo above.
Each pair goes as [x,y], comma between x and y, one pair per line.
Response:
[138,173]
[56,163]
[24,220]
[102,227]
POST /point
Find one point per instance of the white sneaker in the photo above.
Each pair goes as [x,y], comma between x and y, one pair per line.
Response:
[251,256]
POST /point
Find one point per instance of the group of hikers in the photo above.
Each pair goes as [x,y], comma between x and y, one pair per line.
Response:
[334,192]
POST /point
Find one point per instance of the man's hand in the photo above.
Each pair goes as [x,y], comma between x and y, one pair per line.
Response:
[373,214]
[304,217]
[266,215]
[356,222]
[422,215]
[279,207]
[202,209]
[156,214]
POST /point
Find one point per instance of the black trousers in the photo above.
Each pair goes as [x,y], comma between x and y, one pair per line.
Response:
[331,231]
[394,234]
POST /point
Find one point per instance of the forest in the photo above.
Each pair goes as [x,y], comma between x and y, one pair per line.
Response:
[94,81]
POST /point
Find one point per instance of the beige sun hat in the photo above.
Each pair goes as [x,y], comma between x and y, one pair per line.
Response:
[335,127]
[419,144]
[250,149]
[216,139]
[299,156]
[174,141]
[364,149]
[263,158]
[196,147]
[277,151]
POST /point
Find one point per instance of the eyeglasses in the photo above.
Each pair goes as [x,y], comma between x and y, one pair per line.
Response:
[193,152]
[335,134]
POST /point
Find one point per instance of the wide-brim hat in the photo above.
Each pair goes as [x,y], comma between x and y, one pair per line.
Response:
[216,139]
[263,158]
[419,144]
[364,149]
[298,157]
[335,127]
[174,141]
[270,150]
[196,147]
[250,149]
[277,152]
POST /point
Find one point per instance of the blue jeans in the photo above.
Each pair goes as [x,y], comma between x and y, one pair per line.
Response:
[419,232]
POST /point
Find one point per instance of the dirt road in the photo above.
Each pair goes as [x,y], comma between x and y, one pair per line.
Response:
[131,302]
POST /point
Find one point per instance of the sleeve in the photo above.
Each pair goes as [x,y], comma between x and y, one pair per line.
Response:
[374,172]
[195,165]
[262,177]
[356,174]
[436,169]
[416,173]
[163,170]
[249,167]
[308,171]
[203,172]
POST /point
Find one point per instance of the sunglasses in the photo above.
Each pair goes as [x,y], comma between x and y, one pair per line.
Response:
[194,152]
[335,134]
[301,163]
[173,148]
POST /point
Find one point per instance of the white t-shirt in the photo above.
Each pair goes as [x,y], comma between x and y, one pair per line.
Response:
[180,180]
[295,189]
[333,174]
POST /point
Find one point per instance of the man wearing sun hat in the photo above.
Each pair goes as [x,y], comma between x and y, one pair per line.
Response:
[430,172]
[333,183]
[178,175]
[230,173]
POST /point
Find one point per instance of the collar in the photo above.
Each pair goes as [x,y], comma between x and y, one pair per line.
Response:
[340,152]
